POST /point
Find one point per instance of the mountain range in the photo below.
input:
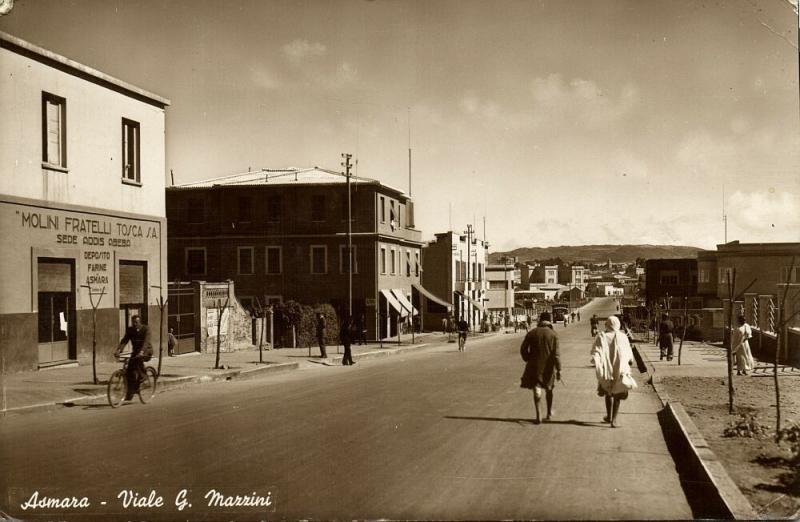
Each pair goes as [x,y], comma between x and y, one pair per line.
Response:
[598,253]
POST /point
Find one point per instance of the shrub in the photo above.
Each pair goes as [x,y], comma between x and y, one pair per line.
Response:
[791,437]
[746,426]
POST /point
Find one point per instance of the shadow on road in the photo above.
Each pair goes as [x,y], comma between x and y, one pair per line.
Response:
[572,422]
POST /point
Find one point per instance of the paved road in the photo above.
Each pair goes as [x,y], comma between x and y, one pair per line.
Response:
[433,435]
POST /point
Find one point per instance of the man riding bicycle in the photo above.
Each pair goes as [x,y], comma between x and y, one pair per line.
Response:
[138,335]
[463,328]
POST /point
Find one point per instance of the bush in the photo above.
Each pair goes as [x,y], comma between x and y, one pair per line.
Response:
[746,426]
[304,319]
[791,437]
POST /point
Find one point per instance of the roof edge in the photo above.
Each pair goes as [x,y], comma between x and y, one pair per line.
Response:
[51,58]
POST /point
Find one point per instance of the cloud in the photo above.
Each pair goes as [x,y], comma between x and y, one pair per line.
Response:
[580,102]
[771,214]
[298,50]
[264,78]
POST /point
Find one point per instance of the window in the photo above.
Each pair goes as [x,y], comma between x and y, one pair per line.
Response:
[246,302]
[703,276]
[318,207]
[409,214]
[319,259]
[195,210]
[382,209]
[786,277]
[244,209]
[408,263]
[393,264]
[668,277]
[130,152]
[274,209]
[479,273]
[54,130]
[392,217]
[245,255]
[274,260]
[723,275]
[195,261]
[383,260]
[343,259]
[416,269]
[497,285]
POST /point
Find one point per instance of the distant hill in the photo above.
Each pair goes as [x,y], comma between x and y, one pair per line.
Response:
[598,253]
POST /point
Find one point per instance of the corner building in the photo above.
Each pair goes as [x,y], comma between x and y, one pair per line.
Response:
[81,207]
[282,235]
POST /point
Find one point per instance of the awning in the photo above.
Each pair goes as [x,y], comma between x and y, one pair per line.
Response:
[394,303]
[401,297]
[424,291]
[475,303]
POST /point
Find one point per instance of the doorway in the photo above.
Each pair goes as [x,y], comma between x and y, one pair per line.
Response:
[56,310]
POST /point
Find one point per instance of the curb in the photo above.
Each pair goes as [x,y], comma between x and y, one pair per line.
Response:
[724,493]
[167,384]
[378,353]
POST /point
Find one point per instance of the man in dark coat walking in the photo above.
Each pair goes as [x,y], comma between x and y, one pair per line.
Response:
[346,335]
[665,342]
[321,335]
[542,359]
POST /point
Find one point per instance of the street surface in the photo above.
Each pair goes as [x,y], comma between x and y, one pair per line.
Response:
[434,434]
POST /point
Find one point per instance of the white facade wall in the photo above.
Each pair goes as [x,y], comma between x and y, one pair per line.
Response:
[93,140]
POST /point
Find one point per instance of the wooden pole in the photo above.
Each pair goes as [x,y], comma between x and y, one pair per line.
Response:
[685,314]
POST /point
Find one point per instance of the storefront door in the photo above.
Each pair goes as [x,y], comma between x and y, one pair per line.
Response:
[56,306]
[181,318]
[132,292]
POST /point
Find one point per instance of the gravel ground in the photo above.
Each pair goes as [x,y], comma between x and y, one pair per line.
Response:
[759,466]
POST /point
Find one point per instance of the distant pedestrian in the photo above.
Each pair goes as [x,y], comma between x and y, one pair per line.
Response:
[665,329]
[542,359]
[362,330]
[346,334]
[613,358]
[321,335]
[566,320]
[579,315]
[171,343]
[572,317]
[594,322]
[741,347]
[528,322]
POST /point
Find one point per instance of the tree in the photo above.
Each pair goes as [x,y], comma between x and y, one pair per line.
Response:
[732,297]
[290,314]
[781,338]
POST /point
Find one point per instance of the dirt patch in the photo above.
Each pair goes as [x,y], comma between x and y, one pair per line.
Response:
[759,466]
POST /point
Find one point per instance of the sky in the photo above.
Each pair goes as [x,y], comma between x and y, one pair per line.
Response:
[562,122]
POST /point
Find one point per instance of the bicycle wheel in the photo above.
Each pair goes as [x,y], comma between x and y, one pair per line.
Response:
[117,388]
[147,389]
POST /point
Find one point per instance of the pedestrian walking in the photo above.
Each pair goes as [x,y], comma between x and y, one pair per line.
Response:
[594,322]
[172,342]
[362,331]
[566,320]
[572,317]
[321,335]
[579,315]
[346,334]
[740,340]
[665,330]
[613,358]
[542,359]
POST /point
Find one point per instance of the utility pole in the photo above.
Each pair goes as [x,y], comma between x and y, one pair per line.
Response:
[469,260]
[347,166]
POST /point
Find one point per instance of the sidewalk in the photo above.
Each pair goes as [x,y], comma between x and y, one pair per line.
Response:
[51,388]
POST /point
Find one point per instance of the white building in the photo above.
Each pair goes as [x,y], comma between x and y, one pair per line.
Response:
[82,170]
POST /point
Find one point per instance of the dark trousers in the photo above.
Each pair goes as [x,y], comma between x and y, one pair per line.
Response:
[321,341]
[348,355]
[134,375]
[665,345]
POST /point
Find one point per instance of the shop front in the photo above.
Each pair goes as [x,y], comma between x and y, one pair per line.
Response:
[58,264]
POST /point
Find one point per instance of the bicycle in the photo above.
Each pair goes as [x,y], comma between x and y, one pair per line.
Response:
[118,384]
[462,341]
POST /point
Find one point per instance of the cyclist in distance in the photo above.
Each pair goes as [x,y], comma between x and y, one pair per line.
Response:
[463,328]
[138,334]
